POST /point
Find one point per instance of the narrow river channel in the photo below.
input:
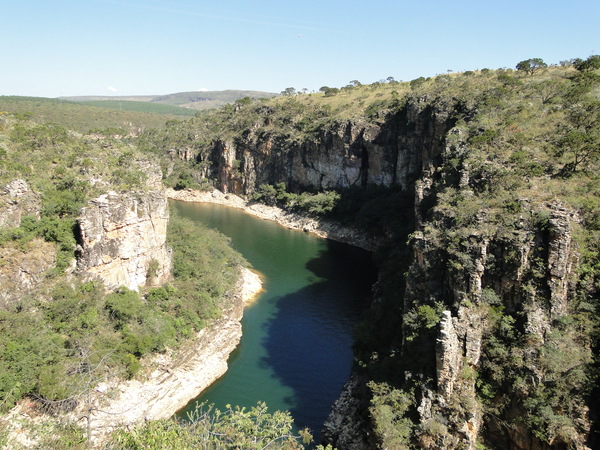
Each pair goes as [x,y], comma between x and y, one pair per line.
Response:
[295,353]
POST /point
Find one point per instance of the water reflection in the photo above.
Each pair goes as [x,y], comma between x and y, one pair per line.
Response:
[295,352]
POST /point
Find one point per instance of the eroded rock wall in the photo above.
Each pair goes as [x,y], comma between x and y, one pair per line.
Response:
[524,279]
[122,239]
[17,200]
[353,153]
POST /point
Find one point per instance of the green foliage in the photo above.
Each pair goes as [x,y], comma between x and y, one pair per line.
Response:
[289,91]
[389,410]
[414,84]
[531,65]
[42,343]
[510,145]
[51,229]
[318,204]
[210,428]
[589,64]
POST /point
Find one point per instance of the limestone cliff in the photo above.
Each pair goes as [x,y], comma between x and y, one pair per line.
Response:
[490,288]
[122,239]
[353,153]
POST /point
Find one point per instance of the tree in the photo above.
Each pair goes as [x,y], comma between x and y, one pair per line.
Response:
[580,142]
[414,84]
[531,65]
[328,91]
[587,65]
[243,101]
[289,91]
[548,90]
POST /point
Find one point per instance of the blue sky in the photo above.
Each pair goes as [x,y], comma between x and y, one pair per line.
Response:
[54,48]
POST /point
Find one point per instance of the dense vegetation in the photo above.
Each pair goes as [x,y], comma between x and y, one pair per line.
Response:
[65,336]
[236,427]
[519,143]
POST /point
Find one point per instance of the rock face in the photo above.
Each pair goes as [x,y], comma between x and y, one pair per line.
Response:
[122,239]
[347,424]
[347,154]
[174,379]
[476,278]
[491,270]
[17,200]
[23,270]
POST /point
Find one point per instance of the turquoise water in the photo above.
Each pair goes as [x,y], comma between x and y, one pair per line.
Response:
[295,353]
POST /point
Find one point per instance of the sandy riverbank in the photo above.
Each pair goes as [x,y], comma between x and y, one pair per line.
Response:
[322,228]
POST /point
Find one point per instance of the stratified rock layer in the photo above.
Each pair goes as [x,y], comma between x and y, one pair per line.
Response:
[122,240]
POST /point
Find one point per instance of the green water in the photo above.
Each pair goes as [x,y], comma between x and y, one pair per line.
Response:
[295,353]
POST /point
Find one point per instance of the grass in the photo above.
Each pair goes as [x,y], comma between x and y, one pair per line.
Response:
[79,117]
[143,107]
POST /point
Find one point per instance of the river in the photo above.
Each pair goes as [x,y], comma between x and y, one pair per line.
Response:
[295,353]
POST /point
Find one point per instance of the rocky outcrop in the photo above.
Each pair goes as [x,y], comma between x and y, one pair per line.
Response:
[122,239]
[347,424]
[488,271]
[353,153]
[176,377]
[17,200]
[24,269]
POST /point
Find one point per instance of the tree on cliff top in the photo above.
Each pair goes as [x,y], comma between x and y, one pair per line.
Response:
[531,65]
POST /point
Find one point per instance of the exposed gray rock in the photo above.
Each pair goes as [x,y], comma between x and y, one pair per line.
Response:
[16,201]
[122,239]
[347,425]
[448,356]
[352,153]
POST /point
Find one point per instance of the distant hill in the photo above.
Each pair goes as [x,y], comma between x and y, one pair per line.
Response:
[197,100]
[140,106]
[83,117]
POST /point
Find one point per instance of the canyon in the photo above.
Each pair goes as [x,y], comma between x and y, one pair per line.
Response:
[481,328]
[473,276]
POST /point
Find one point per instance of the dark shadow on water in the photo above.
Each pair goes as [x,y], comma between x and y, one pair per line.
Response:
[309,340]
[300,331]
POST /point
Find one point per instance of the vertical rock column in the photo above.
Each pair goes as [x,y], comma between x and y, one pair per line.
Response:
[122,240]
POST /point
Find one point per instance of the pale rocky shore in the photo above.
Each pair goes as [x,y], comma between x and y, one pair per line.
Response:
[322,228]
[175,378]
[169,381]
